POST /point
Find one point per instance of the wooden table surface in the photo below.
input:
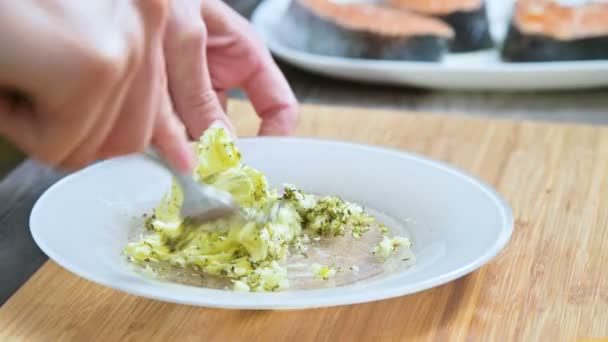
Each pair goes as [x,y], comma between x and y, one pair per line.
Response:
[549,283]
[20,257]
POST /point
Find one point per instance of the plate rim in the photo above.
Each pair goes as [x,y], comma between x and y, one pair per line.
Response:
[271,301]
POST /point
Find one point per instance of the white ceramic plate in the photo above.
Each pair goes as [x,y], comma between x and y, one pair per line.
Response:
[84,220]
[472,71]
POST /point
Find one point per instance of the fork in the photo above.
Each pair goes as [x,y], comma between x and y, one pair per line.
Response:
[202,203]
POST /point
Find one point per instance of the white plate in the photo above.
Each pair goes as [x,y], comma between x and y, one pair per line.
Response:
[84,220]
[472,71]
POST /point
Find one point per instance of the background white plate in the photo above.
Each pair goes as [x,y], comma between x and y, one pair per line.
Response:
[83,221]
[472,71]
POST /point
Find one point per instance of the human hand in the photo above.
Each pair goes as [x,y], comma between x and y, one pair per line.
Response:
[208,56]
[94,73]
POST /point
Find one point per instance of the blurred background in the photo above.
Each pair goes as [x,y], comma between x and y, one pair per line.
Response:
[589,106]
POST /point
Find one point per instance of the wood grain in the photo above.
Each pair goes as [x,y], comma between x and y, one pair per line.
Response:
[548,284]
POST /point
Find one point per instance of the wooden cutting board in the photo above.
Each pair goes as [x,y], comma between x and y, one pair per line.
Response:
[550,283]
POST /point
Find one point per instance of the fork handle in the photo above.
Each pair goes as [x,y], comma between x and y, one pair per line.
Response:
[185,181]
[205,196]
[155,156]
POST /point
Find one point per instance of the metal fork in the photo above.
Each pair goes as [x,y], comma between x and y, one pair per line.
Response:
[202,203]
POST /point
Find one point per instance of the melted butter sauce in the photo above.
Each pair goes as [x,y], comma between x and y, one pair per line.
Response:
[351,257]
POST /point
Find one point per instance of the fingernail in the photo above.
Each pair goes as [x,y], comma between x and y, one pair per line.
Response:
[222,124]
[218,124]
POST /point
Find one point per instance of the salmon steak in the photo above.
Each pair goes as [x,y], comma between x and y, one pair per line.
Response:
[543,30]
[364,31]
[468,19]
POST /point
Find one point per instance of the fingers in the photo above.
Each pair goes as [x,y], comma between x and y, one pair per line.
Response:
[16,122]
[239,59]
[99,89]
[57,125]
[114,101]
[170,139]
[77,85]
[222,96]
[271,96]
[55,134]
[190,84]
[169,135]
[92,147]
[132,130]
